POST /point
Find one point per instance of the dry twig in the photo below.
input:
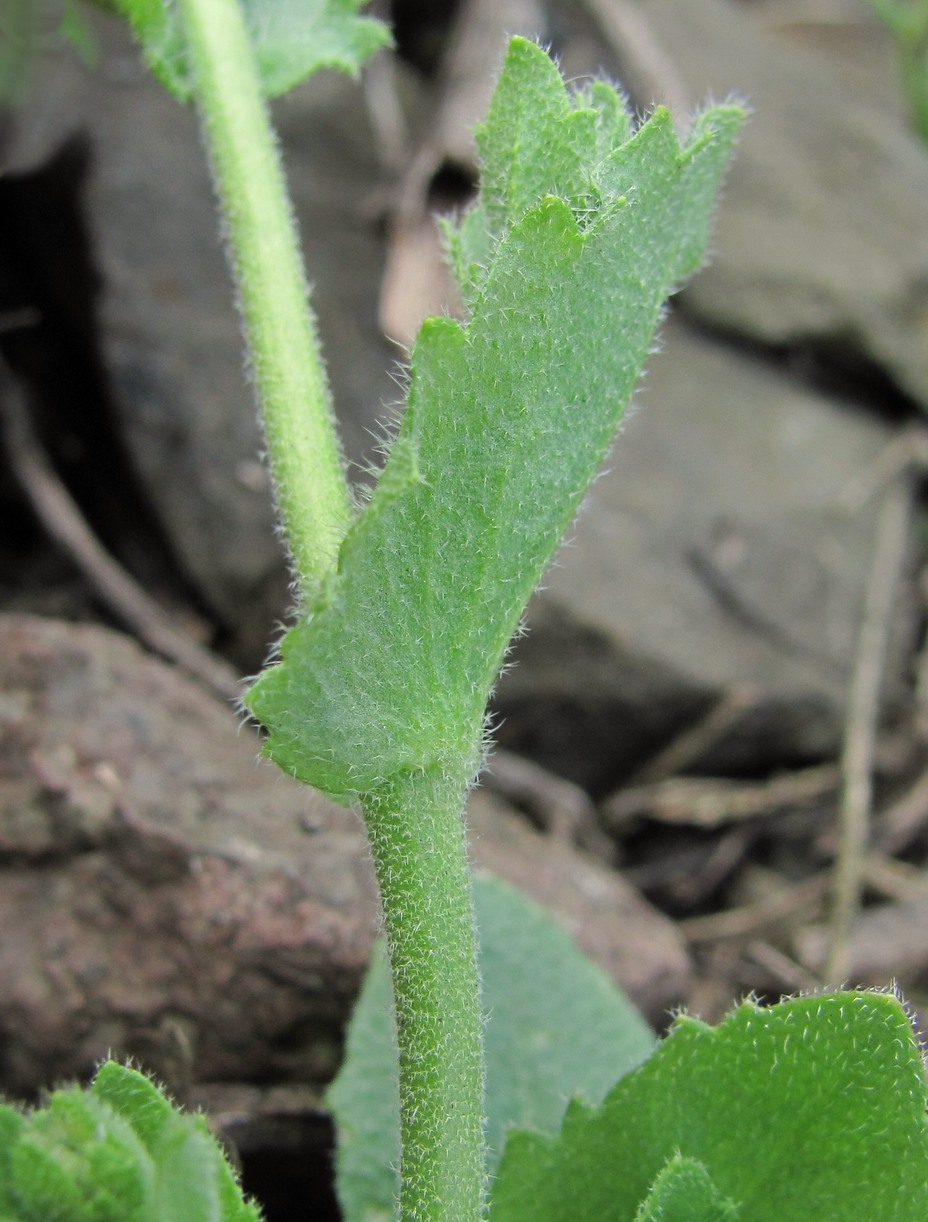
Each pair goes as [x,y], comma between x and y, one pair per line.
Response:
[895,880]
[64,522]
[759,917]
[903,819]
[697,738]
[861,726]
[564,809]
[416,281]
[789,975]
[712,802]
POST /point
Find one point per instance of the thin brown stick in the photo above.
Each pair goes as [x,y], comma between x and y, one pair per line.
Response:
[697,738]
[710,802]
[861,726]
[64,522]
[787,971]
[903,819]
[416,281]
[756,918]
[565,810]
[907,451]
[895,880]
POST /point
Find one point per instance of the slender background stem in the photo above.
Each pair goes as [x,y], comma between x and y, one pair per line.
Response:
[299,426]
[861,730]
[416,831]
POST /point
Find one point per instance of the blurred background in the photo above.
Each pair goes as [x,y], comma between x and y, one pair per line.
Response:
[713,739]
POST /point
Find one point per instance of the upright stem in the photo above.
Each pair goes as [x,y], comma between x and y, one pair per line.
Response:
[415,823]
[416,831]
[299,426]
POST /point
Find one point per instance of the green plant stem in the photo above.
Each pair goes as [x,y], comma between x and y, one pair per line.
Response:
[907,23]
[415,823]
[19,36]
[915,82]
[299,426]
[416,831]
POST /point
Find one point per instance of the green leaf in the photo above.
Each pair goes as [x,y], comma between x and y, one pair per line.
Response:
[684,1192]
[536,140]
[291,40]
[76,1160]
[136,1099]
[11,1126]
[20,32]
[556,1026]
[509,417]
[191,1168]
[118,1152]
[814,1108]
[79,33]
[187,1181]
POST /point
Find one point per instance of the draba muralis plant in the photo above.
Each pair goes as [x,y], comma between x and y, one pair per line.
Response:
[584,224]
[582,227]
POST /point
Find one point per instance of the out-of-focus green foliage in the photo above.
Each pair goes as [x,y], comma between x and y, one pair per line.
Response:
[116,1152]
[907,21]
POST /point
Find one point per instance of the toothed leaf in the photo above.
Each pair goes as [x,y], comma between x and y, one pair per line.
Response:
[684,1192]
[118,1152]
[814,1108]
[509,416]
[291,40]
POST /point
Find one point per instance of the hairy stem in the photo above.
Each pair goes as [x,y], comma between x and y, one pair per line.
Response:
[416,832]
[415,823]
[299,426]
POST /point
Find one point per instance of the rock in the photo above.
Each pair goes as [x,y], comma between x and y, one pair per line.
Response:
[714,554]
[822,237]
[166,901]
[166,895]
